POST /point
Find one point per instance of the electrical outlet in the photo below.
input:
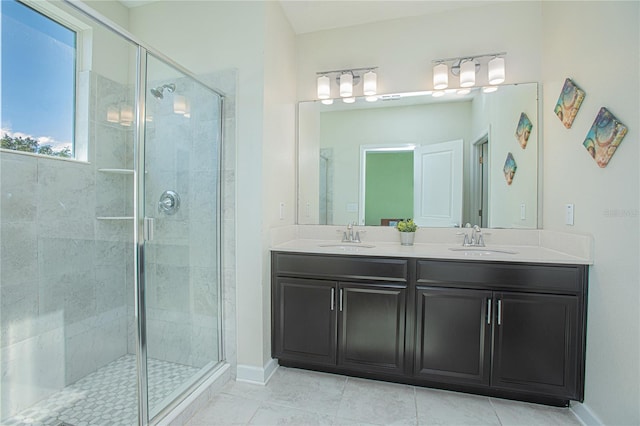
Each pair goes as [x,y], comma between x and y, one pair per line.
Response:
[568,214]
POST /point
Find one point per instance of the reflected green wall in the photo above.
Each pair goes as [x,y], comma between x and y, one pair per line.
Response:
[389,183]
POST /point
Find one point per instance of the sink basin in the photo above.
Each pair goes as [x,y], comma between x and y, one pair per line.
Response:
[482,251]
[347,246]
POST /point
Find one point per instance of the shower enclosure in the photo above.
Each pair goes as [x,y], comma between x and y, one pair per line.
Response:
[110,273]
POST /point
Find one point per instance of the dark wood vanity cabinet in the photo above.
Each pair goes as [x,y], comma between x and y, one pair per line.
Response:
[517,330]
[514,330]
[346,315]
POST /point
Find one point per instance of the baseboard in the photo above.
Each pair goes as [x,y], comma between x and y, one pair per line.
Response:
[256,375]
[585,415]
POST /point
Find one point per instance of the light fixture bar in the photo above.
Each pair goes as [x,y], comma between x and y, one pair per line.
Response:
[483,55]
[347,70]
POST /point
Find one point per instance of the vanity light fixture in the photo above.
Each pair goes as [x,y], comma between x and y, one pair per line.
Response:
[327,101]
[438,93]
[347,79]
[370,83]
[349,100]
[489,89]
[440,76]
[346,85]
[466,67]
[324,87]
[467,73]
[496,70]
[373,98]
[463,91]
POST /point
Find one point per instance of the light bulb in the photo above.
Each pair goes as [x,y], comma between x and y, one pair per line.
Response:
[370,83]
[467,73]
[496,71]
[324,87]
[440,76]
[346,85]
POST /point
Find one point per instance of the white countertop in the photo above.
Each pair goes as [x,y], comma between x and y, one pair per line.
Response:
[538,246]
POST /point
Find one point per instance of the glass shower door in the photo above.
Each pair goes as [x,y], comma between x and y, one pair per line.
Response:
[181,250]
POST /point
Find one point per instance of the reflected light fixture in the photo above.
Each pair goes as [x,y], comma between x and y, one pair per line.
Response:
[440,76]
[371,98]
[113,114]
[496,70]
[464,91]
[126,115]
[179,104]
[489,89]
[349,100]
[438,93]
[327,101]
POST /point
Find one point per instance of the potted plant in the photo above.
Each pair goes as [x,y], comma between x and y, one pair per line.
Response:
[407,230]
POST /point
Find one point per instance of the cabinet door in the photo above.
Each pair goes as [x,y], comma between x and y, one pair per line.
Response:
[372,327]
[453,335]
[535,343]
[305,320]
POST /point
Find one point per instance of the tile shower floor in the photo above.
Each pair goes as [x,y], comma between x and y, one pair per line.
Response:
[106,397]
[298,397]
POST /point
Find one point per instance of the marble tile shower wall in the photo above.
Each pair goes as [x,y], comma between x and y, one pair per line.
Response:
[64,273]
[181,269]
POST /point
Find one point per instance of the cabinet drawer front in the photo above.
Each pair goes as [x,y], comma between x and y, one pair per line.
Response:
[524,277]
[340,267]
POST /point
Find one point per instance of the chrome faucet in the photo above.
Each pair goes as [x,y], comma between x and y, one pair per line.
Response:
[475,239]
[349,236]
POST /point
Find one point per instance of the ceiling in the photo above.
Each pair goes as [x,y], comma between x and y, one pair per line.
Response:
[308,16]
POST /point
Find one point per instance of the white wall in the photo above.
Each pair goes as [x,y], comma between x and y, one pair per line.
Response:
[279,147]
[600,52]
[404,48]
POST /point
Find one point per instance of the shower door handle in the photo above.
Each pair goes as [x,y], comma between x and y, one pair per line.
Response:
[148,228]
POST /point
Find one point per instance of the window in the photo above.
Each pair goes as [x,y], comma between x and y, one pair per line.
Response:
[38,82]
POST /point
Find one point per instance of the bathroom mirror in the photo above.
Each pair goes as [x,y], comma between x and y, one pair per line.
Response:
[443,161]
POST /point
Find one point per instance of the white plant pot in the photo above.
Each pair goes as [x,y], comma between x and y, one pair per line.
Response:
[406,238]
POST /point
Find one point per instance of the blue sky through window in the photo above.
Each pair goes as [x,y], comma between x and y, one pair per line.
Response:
[38,76]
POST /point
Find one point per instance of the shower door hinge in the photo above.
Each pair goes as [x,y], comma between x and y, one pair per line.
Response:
[148,228]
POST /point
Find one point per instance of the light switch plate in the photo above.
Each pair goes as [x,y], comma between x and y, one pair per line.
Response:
[568,214]
[523,211]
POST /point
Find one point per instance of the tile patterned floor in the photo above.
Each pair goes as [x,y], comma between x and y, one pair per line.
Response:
[106,397]
[298,397]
